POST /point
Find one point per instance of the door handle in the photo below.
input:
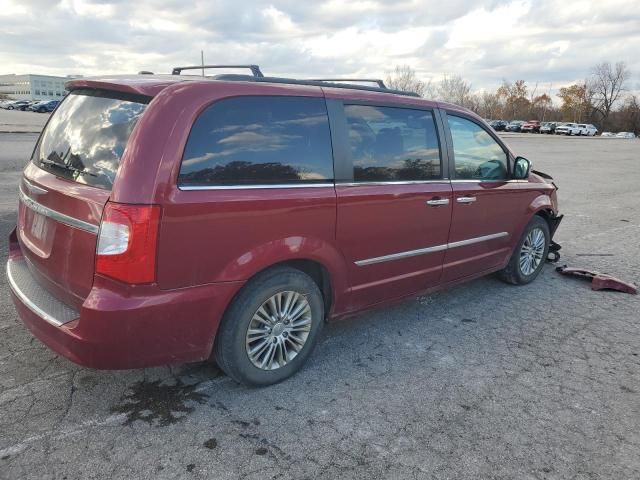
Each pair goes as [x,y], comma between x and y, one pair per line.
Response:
[466,199]
[434,202]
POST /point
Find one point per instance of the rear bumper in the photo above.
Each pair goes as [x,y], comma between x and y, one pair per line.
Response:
[120,326]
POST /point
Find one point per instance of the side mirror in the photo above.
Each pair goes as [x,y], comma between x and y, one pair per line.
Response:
[521,168]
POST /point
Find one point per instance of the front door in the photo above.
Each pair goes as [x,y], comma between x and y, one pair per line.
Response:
[486,204]
[395,210]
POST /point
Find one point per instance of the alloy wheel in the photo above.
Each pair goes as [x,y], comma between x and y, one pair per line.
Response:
[532,251]
[278,330]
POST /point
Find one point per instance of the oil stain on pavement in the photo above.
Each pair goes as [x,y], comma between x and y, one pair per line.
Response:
[157,403]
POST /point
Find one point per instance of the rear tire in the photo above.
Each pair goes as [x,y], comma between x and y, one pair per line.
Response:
[530,254]
[271,327]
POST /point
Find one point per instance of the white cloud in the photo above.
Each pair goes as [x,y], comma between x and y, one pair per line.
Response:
[485,41]
[85,8]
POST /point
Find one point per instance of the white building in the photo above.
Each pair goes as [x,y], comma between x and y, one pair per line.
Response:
[33,87]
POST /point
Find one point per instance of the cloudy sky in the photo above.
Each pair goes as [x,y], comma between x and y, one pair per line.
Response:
[484,41]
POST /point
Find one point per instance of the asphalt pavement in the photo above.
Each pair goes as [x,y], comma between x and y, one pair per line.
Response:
[485,380]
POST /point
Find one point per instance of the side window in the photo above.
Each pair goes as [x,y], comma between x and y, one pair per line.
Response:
[259,140]
[390,144]
[477,155]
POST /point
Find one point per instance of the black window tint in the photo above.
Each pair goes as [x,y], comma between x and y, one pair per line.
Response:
[477,154]
[259,140]
[86,137]
[392,144]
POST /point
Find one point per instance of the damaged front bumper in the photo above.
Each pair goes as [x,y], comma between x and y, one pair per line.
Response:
[554,223]
[553,255]
[600,281]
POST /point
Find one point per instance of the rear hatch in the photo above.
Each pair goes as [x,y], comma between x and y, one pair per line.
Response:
[67,183]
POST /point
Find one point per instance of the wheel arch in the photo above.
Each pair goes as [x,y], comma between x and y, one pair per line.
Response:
[542,206]
[316,270]
[320,260]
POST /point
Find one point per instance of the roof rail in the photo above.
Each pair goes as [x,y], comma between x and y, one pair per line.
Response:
[377,81]
[316,83]
[255,69]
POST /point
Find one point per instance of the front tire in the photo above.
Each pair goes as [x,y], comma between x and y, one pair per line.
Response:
[271,327]
[529,256]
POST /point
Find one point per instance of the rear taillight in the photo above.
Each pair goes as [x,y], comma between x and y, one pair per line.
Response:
[127,242]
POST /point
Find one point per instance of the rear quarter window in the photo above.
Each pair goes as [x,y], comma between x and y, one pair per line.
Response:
[258,140]
[87,135]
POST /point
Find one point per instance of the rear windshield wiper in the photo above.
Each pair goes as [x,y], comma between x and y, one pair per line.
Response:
[64,166]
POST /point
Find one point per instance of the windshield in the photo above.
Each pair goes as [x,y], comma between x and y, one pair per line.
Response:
[86,137]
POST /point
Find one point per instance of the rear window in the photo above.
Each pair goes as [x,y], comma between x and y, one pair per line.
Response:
[86,136]
[259,140]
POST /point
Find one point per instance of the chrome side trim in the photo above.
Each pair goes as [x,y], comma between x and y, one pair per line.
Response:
[398,256]
[471,241]
[54,214]
[254,187]
[306,185]
[391,182]
[479,180]
[423,251]
[27,301]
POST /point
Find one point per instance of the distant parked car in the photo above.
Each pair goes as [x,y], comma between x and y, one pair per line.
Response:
[531,126]
[499,125]
[585,129]
[626,135]
[514,126]
[608,134]
[566,128]
[44,106]
[18,105]
[548,127]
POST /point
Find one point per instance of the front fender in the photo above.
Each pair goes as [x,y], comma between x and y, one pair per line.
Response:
[542,202]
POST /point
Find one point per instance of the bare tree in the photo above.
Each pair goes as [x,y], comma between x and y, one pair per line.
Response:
[405,78]
[607,83]
[630,113]
[539,106]
[491,105]
[516,99]
[454,89]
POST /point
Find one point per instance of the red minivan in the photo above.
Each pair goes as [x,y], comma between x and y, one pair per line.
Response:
[176,218]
